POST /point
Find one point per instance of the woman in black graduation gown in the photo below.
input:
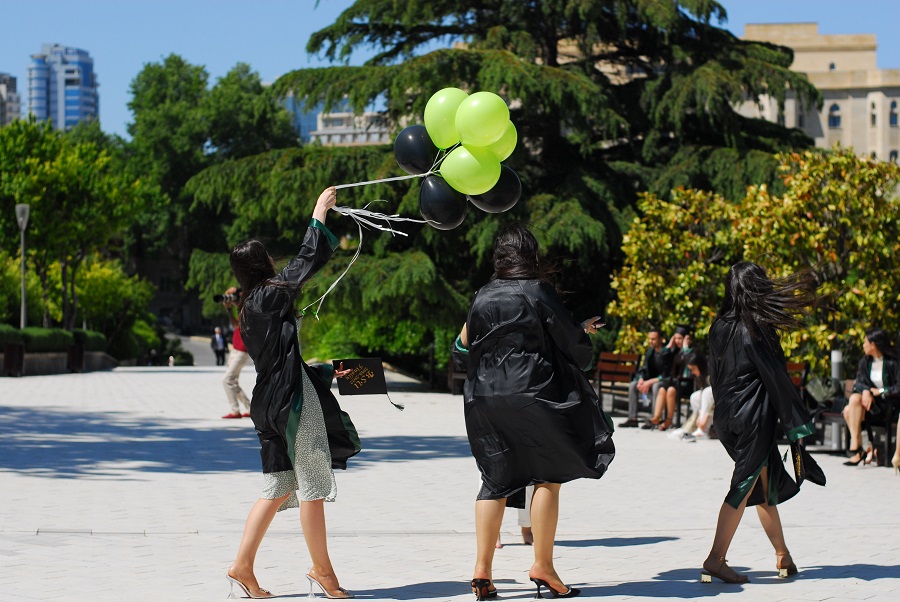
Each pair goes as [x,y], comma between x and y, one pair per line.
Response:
[302,431]
[753,391]
[531,416]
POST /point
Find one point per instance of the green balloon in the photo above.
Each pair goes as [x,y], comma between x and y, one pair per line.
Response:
[440,116]
[504,147]
[481,119]
[471,170]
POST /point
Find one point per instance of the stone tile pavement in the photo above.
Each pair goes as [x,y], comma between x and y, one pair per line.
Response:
[127,485]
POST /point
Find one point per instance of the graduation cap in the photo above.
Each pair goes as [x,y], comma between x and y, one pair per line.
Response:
[366,377]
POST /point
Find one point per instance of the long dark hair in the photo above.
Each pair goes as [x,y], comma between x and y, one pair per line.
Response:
[253,267]
[516,255]
[763,304]
[879,338]
[699,360]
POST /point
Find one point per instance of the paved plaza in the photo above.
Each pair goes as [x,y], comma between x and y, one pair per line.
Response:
[128,486]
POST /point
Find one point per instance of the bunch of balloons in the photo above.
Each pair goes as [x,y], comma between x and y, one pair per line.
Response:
[460,147]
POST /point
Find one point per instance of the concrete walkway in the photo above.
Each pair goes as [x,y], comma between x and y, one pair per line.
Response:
[127,485]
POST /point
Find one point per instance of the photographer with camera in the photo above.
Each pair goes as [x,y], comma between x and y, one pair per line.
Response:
[237,359]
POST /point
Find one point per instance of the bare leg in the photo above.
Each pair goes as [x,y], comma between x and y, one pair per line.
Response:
[488,518]
[853,416]
[729,519]
[544,517]
[671,400]
[312,519]
[769,518]
[658,405]
[257,524]
[771,523]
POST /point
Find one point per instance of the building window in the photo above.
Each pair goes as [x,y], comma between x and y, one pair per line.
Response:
[832,67]
[873,155]
[834,117]
[892,119]
[893,156]
[801,121]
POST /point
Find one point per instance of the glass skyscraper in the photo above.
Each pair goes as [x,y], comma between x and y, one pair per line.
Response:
[62,86]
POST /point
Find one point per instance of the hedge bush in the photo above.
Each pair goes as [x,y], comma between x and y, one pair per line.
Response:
[9,334]
[91,340]
[45,340]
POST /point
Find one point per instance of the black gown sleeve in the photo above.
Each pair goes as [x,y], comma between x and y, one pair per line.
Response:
[769,360]
[318,245]
[568,335]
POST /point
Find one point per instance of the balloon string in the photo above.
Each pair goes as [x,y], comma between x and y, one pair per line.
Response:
[420,175]
[362,217]
[442,154]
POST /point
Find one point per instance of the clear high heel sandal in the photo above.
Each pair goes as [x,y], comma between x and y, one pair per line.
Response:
[232,581]
[340,594]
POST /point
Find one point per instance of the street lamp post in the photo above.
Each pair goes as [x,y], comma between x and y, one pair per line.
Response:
[22,217]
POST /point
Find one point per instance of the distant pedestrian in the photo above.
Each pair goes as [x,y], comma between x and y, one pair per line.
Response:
[301,428]
[237,359]
[752,391]
[219,346]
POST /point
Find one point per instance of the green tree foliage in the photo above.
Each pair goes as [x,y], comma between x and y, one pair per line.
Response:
[111,300]
[245,118]
[182,127]
[839,216]
[11,292]
[78,202]
[609,97]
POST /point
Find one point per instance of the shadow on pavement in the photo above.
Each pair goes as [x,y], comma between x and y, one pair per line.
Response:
[401,448]
[62,443]
[68,444]
[613,542]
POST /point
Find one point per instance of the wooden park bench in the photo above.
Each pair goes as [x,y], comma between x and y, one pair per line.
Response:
[614,372]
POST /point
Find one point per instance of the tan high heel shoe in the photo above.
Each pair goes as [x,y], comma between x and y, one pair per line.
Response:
[723,572]
[785,568]
[895,462]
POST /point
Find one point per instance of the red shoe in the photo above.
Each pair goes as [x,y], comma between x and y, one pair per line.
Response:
[232,415]
[245,415]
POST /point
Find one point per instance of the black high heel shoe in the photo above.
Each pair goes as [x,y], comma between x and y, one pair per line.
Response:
[481,589]
[569,593]
[858,452]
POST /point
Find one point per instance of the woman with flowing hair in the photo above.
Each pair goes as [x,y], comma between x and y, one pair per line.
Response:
[753,391]
[302,431]
[532,418]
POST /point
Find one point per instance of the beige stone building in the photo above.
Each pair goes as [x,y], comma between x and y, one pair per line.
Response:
[861,102]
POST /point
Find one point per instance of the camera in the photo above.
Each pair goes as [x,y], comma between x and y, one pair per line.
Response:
[228,297]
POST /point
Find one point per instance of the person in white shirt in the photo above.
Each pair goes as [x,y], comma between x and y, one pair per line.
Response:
[876,386]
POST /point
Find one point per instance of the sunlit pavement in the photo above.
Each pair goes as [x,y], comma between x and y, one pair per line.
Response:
[128,485]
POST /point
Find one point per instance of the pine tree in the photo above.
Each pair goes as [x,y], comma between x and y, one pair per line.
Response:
[609,97]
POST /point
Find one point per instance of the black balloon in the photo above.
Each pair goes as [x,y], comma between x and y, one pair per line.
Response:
[414,150]
[443,207]
[502,196]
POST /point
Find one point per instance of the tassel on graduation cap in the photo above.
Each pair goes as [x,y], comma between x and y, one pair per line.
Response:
[366,377]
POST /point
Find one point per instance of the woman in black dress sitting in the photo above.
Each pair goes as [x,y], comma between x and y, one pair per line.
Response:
[531,416]
[876,386]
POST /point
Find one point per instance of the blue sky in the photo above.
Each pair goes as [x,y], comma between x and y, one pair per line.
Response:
[271,35]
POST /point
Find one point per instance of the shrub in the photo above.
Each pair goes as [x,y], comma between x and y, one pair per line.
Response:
[45,340]
[91,340]
[8,334]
